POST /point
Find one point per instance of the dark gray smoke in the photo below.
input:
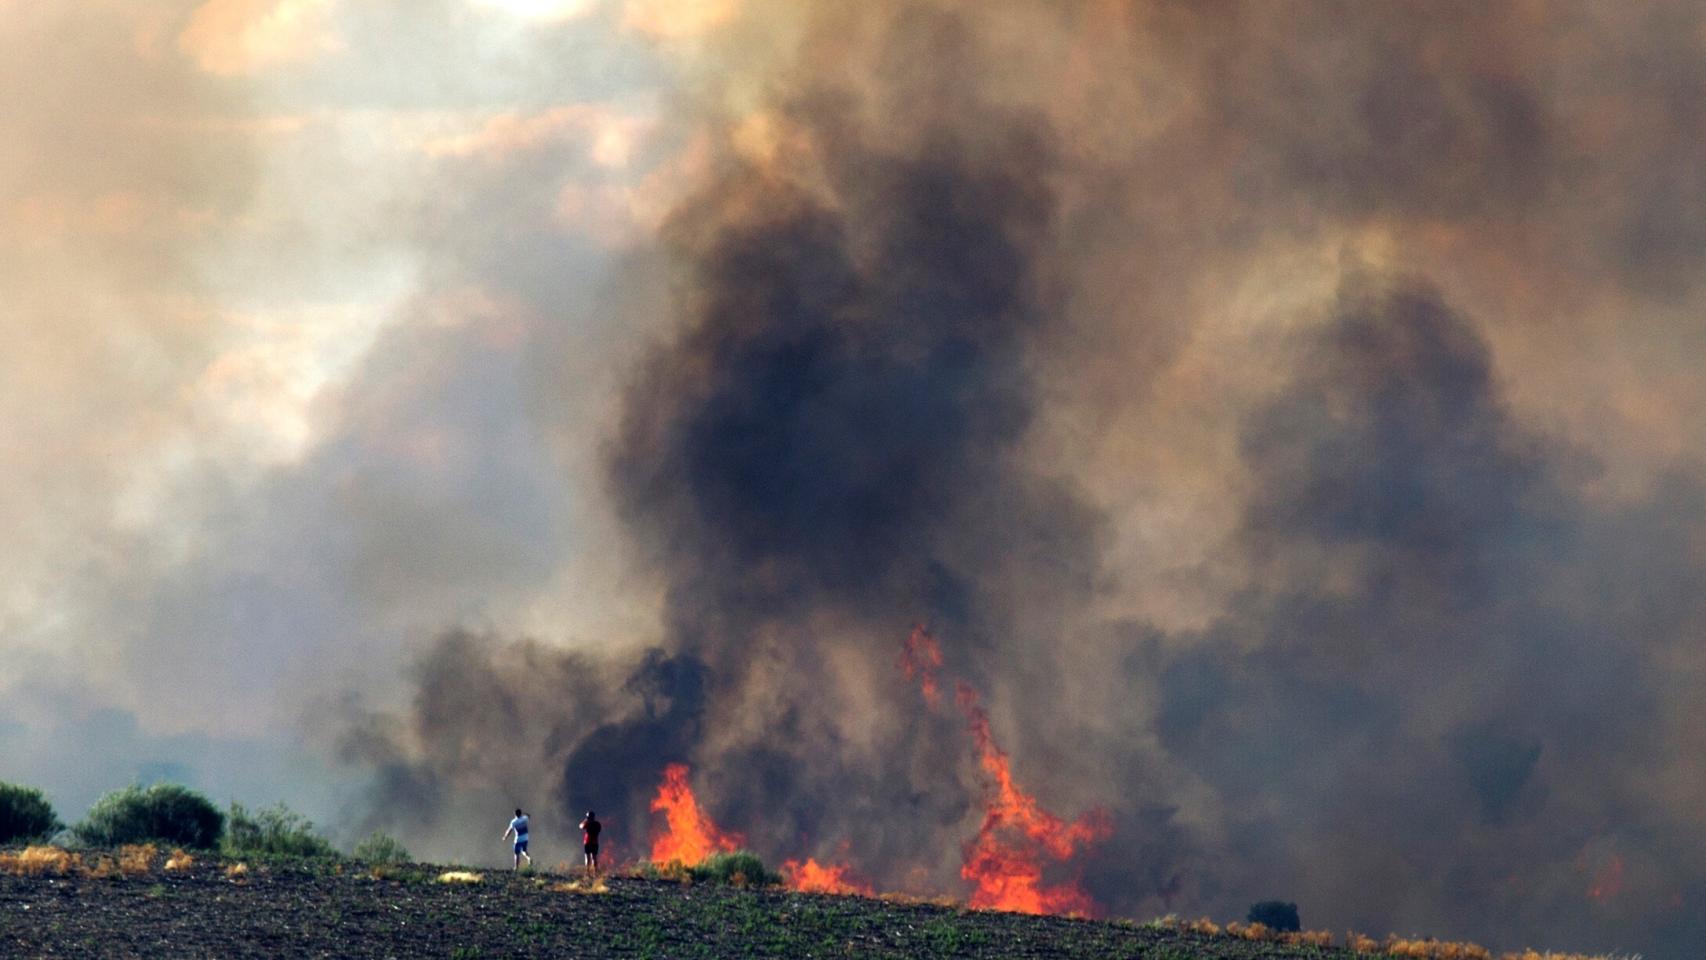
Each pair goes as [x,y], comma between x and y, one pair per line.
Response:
[997,300]
[1434,675]
[829,450]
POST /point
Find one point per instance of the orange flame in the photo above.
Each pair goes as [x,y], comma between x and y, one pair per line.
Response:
[921,658]
[1005,861]
[689,835]
[814,877]
[1608,882]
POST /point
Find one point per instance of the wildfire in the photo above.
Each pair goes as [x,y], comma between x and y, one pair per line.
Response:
[1004,862]
[813,877]
[689,835]
[921,658]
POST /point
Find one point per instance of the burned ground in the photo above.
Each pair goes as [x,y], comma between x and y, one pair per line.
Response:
[325,910]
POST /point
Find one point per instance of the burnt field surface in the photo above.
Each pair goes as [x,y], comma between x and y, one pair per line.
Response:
[346,910]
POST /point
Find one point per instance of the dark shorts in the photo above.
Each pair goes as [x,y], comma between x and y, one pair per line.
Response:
[521,844]
[591,849]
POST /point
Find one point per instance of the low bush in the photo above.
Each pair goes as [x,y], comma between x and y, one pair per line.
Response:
[1275,915]
[26,815]
[276,831]
[742,868]
[165,812]
[381,848]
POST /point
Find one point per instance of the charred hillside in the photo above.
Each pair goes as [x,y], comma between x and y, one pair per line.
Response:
[325,910]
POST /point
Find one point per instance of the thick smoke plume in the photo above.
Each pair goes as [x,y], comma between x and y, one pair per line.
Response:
[1209,378]
[830,448]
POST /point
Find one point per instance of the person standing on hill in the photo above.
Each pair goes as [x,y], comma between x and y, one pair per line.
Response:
[589,840]
[518,826]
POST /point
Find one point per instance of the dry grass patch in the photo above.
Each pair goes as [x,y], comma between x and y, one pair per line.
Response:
[583,885]
[40,862]
[1260,932]
[914,900]
[103,867]
[136,859]
[1361,943]
[1430,949]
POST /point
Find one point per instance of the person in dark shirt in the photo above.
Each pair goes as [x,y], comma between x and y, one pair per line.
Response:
[589,840]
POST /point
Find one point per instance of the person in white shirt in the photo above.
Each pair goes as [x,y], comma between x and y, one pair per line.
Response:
[518,826]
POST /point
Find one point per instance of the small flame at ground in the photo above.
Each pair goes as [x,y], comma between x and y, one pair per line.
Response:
[813,877]
[689,835]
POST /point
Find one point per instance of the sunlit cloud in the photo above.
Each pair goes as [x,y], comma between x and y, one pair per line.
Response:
[233,37]
[48,215]
[610,137]
[549,11]
[261,389]
[678,20]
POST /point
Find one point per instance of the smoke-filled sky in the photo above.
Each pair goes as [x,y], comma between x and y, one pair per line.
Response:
[1288,417]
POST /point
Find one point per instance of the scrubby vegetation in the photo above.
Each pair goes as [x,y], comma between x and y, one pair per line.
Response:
[742,868]
[276,831]
[380,848]
[26,815]
[165,812]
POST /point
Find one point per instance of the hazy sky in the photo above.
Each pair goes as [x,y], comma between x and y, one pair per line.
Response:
[286,285]
[1303,398]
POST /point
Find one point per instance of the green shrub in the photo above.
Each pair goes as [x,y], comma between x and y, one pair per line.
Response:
[740,868]
[276,831]
[651,870]
[25,814]
[381,848]
[165,812]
